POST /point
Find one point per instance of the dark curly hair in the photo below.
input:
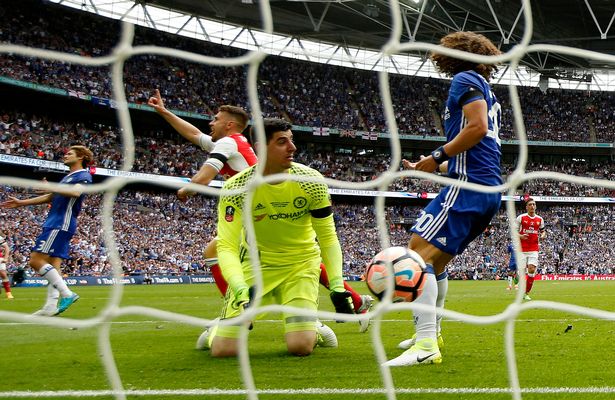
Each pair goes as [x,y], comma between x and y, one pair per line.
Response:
[472,43]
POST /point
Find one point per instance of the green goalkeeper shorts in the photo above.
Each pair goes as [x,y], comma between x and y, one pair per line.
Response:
[295,286]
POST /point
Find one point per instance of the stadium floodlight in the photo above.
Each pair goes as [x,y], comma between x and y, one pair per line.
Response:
[371,10]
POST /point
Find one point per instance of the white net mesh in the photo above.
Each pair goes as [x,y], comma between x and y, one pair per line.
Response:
[112,310]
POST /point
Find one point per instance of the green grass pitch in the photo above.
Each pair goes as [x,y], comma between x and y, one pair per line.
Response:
[158,356]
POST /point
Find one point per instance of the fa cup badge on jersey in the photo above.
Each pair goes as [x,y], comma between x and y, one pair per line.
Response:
[229,214]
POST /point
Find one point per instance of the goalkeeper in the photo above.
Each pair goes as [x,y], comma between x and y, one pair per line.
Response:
[288,217]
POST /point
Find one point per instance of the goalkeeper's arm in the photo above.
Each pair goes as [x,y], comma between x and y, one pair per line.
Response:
[232,271]
[229,234]
[331,252]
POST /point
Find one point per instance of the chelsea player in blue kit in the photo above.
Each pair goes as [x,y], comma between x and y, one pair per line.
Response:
[456,216]
[52,245]
[512,268]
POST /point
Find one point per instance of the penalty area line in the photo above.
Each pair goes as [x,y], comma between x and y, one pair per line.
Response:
[305,391]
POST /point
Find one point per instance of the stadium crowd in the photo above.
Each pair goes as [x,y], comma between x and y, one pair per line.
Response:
[156,233]
[46,138]
[306,93]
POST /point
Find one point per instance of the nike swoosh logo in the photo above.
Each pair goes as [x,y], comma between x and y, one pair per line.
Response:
[404,273]
[421,359]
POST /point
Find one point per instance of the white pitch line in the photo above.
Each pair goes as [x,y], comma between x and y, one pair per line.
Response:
[258,321]
[305,391]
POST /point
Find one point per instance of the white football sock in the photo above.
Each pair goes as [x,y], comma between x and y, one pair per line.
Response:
[425,321]
[442,281]
[52,275]
[52,297]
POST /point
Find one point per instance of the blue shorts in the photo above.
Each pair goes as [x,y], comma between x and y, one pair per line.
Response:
[53,242]
[456,217]
[512,267]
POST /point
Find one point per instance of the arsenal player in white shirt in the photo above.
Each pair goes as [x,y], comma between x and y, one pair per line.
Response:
[531,228]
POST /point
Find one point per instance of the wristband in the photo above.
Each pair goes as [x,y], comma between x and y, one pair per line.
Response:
[439,155]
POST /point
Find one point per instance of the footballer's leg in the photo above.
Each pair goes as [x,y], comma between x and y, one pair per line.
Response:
[224,347]
[211,261]
[529,281]
[301,343]
[442,282]
[49,268]
[366,305]
[357,299]
[223,340]
[304,332]
[361,303]
[5,281]
[425,349]
[51,304]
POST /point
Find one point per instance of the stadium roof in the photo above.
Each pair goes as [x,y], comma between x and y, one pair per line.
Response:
[349,25]
[366,23]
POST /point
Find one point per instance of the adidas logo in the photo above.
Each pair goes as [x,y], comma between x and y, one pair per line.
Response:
[259,206]
[441,240]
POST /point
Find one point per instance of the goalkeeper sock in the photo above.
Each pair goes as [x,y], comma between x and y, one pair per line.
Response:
[216,272]
[442,281]
[425,321]
[52,275]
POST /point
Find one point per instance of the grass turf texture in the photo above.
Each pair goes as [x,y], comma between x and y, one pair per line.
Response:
[159,355]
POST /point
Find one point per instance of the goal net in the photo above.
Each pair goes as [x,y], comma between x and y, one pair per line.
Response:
[114,310]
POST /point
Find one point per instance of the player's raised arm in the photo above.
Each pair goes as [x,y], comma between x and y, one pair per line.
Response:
[14,202]
[183,127]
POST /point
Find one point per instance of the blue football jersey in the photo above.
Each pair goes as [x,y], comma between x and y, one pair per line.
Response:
[481,163]
[65,210]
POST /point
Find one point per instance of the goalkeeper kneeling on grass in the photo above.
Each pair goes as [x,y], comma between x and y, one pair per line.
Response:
[288,216]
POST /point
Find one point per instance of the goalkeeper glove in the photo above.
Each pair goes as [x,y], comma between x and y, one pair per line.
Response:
[342,301]
[243,298]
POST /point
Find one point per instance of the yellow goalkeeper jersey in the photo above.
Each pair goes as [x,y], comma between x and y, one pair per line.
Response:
[281,215]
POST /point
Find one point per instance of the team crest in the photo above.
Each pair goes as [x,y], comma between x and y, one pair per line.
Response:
[299,202]
[229,214]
